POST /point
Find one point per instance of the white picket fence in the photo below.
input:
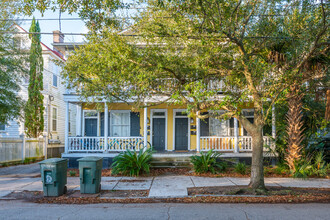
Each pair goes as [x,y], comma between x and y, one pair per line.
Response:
[15,149]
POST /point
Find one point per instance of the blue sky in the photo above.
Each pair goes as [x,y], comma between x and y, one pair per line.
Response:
[67,26]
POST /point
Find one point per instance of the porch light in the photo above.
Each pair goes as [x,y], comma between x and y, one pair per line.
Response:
[192,121]
[148,120]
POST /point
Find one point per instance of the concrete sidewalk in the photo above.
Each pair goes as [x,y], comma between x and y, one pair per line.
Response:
[160,187]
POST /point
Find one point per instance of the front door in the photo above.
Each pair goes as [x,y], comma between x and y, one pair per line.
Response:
[181,133]
[91,127]
[158,134]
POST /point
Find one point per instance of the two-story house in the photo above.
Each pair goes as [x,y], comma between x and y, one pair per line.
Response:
[54,114]
[166,127]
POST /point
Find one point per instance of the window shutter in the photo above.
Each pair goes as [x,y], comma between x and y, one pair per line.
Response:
[135,124]
[102,123]
[205,127]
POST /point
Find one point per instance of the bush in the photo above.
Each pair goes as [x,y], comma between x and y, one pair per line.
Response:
[240,168]
[72,173]
[132,163]
[207,162]
[314,165]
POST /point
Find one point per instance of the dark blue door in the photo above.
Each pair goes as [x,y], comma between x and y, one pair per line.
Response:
[90,127]
[158,134]
[181,134]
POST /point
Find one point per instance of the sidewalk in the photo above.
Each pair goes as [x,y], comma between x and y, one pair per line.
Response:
[159,187]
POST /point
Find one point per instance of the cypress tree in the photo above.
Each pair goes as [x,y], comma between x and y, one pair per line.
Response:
[34,109]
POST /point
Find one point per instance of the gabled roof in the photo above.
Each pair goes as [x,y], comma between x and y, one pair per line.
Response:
[44,46]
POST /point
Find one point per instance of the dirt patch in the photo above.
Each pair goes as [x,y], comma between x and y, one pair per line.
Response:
[243,190]
[124,193]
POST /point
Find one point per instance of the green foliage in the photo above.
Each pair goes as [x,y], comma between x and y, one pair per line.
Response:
[34,109]
[132,163]
[72,173]
[207,162]
[27,161]
[281,169]
[5,164]
[240,168]
[12,66]
[312,166]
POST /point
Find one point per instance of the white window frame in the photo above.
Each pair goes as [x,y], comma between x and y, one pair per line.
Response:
[183,116]
[129,121]
[151,123]
[56,80]
[245,110]
[227,123]
[90,117]
[54,107]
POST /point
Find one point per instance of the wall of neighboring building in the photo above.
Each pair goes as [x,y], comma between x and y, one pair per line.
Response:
[15,128]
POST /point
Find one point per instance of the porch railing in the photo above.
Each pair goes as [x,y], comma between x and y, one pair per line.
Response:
[97,144]
[228,143]
[217,143]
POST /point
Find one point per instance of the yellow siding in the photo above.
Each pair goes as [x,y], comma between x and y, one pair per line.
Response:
[169,108]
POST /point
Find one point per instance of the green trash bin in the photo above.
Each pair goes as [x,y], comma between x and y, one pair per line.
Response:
[90,169]
[54,176]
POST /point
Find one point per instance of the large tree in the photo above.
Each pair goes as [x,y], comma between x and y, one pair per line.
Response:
[12,66]
[183,51]
[34,109]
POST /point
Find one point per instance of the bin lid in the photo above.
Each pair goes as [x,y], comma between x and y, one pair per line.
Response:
[90,159]
[53,160]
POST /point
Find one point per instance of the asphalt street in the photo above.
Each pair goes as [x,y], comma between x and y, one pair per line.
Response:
[14,209]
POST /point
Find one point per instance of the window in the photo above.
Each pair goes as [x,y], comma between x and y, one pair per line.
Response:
[54,80]
[120,123]
[54,119]
[2,127]
[218,127]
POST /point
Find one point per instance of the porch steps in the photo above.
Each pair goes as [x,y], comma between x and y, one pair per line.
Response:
[170,162]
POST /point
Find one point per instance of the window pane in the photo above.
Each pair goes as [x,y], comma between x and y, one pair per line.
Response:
[2,127]
[218,128]
[120,124]
[54,80]
[91,114]
[159,113]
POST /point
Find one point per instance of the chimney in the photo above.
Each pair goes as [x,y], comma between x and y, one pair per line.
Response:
[58,37]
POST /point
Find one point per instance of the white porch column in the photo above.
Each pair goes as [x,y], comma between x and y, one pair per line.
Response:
[79,116]
[273,124]
[198,133]
[66,131]
[106,125]
[236,147]
[145,126]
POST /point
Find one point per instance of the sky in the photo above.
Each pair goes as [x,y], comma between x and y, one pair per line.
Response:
[67,26]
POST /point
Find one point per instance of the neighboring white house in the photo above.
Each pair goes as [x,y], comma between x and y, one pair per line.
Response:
[54,89]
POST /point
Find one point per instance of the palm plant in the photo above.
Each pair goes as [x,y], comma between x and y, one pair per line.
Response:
[132,163]
[207,162]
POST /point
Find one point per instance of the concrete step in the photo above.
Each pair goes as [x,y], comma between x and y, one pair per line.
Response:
[170,162]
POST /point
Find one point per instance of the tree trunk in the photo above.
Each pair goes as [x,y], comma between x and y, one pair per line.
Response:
[327,110]
[257,168]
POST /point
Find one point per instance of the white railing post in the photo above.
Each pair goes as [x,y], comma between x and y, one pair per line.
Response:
[236,147]
[273,125]
[145,126]
[106,126]
[66,142]
[23,146]
[79,119]
[198,132]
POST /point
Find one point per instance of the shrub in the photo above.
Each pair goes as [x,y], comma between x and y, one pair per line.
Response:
[132,163]
[314,165]
[207,162]
[240,168]
[72,173]
[27,161]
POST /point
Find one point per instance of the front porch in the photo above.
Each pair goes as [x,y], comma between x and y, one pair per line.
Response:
[167,128]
